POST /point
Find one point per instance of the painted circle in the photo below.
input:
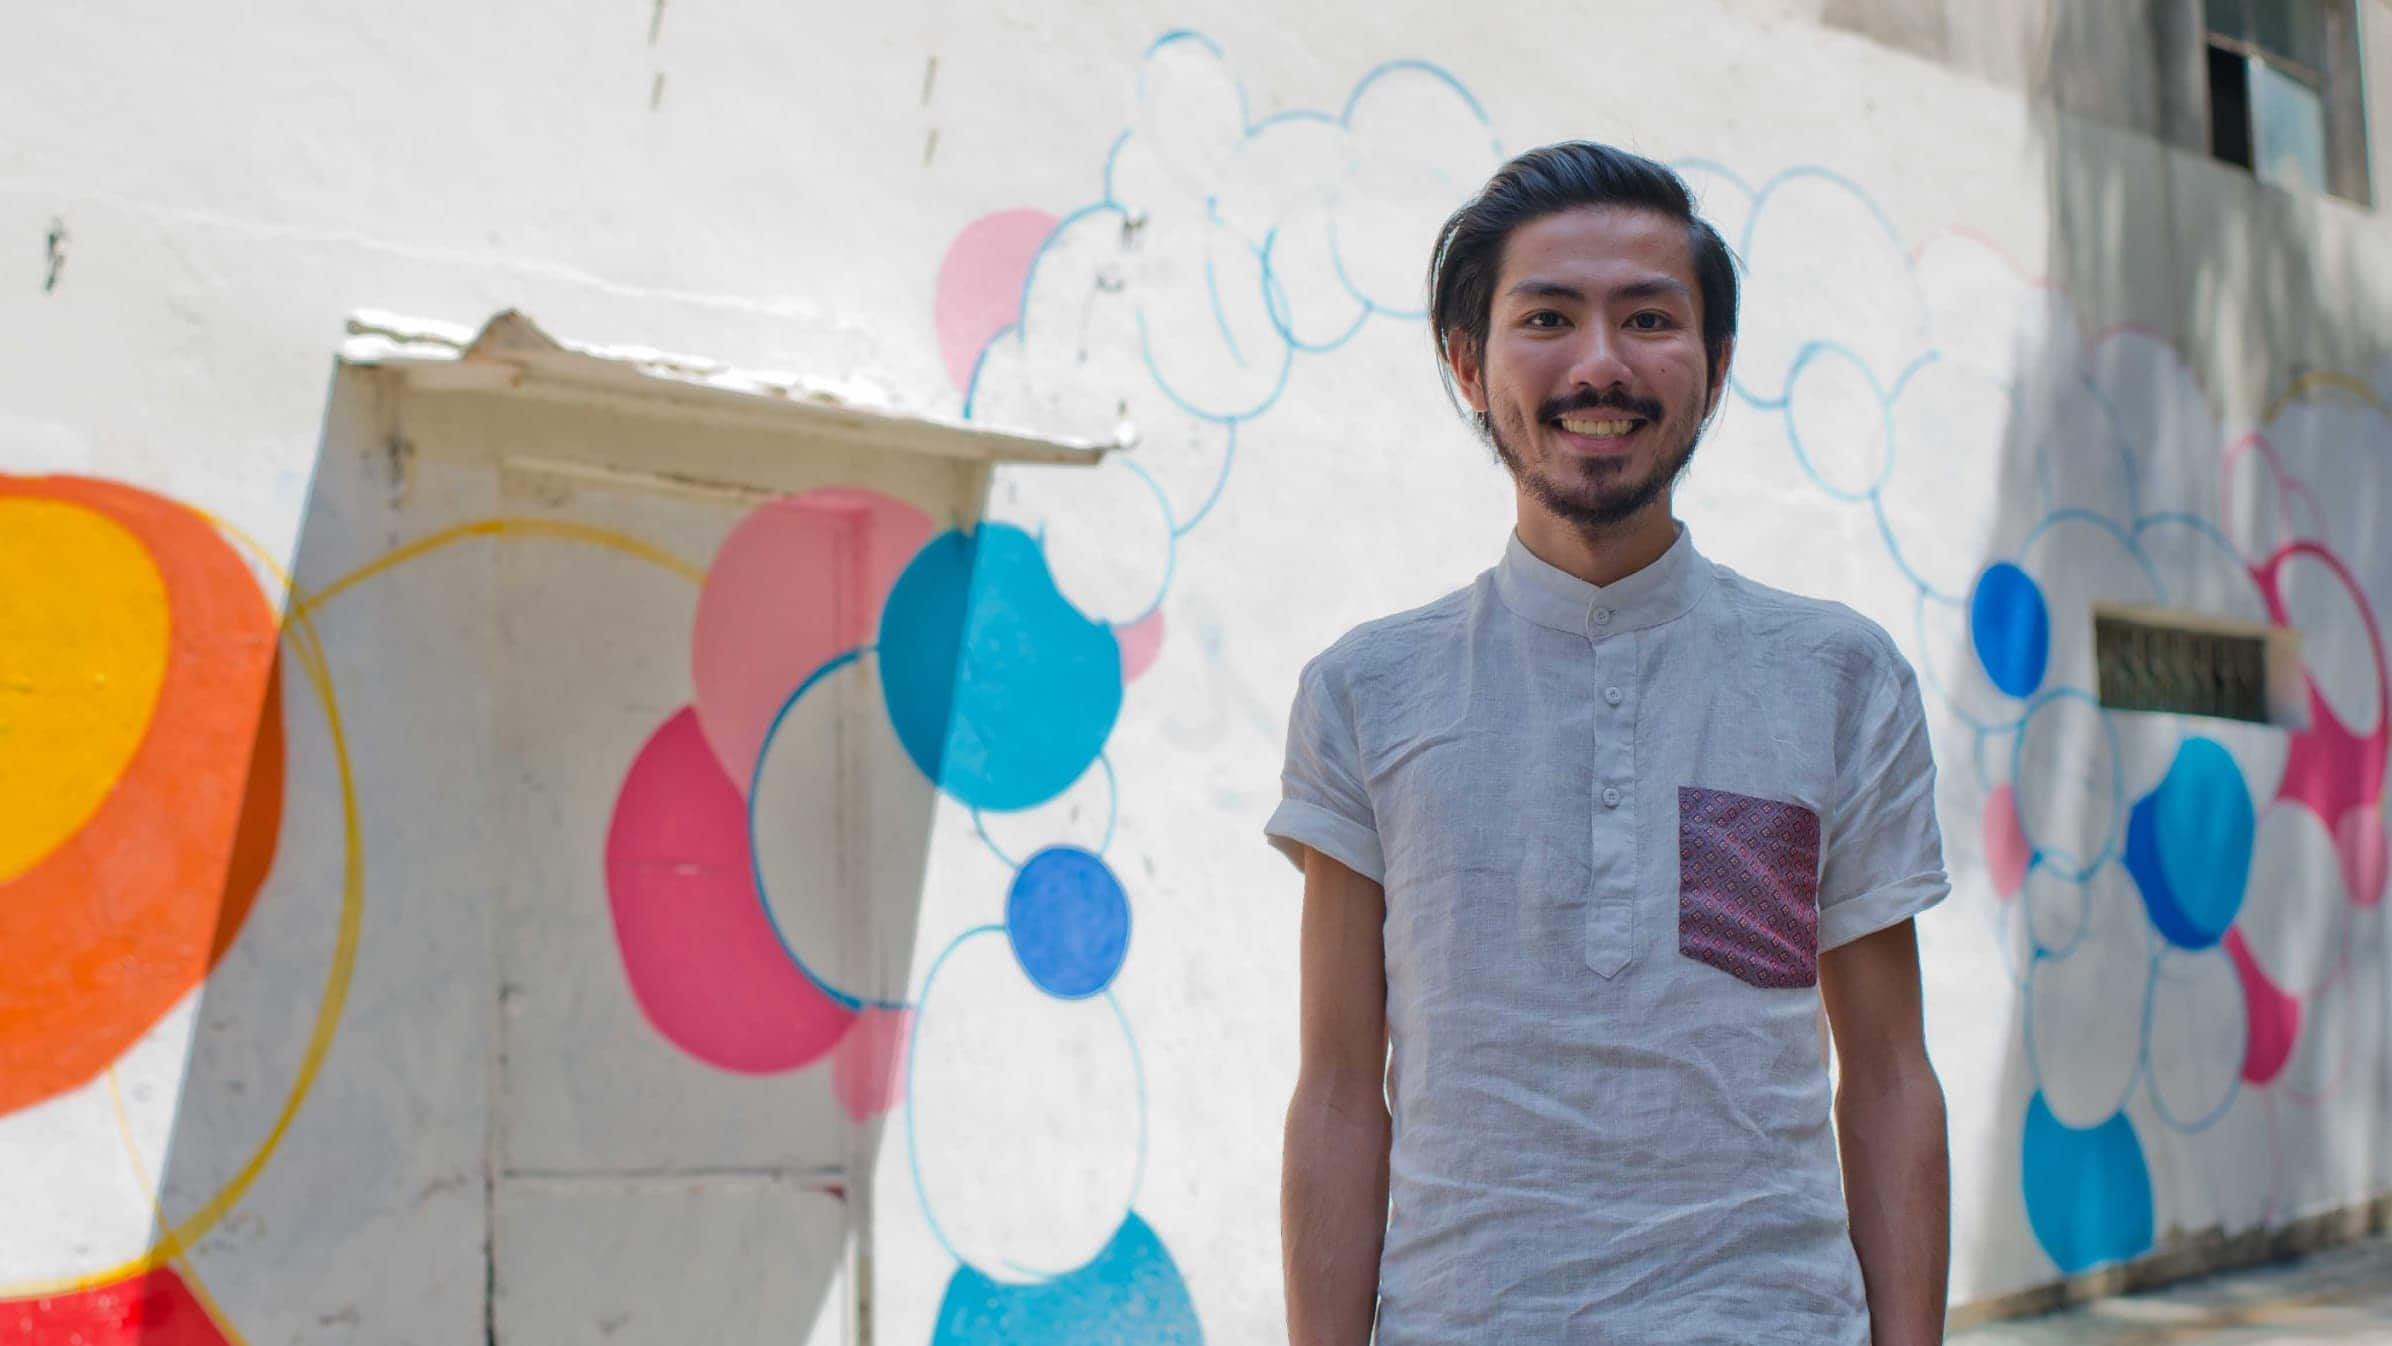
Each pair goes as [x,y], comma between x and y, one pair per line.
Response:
[1132,1291]
[2088,1189]
[1836,421]
[2065,777]
[110,924]
[83,646]
[797,581]
[702,960]
[1001,691]
[2189,843]
[833,782]
[1025,1117]
[2010,628]
[1069,922]
[2084,1007]
[2198,1035]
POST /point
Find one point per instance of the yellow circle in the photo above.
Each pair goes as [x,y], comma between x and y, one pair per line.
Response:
[83,642]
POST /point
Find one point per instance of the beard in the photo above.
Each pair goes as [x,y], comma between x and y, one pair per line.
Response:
[1594,495]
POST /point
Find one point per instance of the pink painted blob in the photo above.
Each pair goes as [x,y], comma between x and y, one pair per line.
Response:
[870,1063]
[981,281]
[2007,852]
[797,581]
[1141,642]
[2359,843]
[2274,1014]
[701,957]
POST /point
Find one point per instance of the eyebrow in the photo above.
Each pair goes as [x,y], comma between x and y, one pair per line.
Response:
[1650,288]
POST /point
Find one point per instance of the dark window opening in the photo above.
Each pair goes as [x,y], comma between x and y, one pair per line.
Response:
[2229,107]
[2188,664]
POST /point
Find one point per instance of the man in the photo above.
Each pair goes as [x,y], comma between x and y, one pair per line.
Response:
[1588,844]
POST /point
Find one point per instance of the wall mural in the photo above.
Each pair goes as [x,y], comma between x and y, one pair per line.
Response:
[2176,900]
[2176,896]
[140,803]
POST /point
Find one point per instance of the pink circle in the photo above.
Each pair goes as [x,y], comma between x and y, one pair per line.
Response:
[1141,642]
[2007,851]
[981,282]
[700,955]
[871,1061]
[799,580]
[2360,844]
[2273,1012]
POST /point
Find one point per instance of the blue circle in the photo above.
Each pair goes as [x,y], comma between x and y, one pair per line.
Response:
[2011,628]
[1130,1292]
[1069,922]
[2088,1192]
[2188,845]
[1000,690]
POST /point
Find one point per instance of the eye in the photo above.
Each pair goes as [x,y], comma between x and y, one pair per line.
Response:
[1650,320]
[1545,318]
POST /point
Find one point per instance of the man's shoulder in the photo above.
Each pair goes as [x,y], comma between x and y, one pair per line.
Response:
[1810,628]
[1396,640]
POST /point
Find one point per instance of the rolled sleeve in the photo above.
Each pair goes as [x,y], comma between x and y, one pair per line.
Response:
[1884,862]
[1323,805]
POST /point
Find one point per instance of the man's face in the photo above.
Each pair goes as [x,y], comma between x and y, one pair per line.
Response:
[1593,380]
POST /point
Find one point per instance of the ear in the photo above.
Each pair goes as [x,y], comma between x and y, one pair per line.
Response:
[1462,357]
[1719,378]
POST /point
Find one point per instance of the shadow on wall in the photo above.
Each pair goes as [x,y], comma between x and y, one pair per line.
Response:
[2189,907]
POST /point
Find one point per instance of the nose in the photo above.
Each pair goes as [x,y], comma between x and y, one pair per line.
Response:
[1599,362]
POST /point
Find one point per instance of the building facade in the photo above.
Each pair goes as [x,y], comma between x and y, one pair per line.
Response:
[509,834]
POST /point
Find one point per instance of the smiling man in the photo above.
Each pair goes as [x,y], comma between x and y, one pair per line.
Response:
[1587,847]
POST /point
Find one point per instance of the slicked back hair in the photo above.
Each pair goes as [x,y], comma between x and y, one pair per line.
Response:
[1468,258]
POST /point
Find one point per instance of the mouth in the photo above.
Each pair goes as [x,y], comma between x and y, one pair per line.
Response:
[1597,435]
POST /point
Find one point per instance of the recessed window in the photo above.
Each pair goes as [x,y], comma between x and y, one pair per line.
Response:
[2278,101]
[2191,664]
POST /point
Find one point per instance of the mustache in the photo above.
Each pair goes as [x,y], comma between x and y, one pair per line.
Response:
[1641,407]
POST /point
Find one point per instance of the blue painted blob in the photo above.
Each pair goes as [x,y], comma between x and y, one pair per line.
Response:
[2011,628]
[2188,845]
[1000,690]
[1131,1294]
[1069,921]
[2088,1192]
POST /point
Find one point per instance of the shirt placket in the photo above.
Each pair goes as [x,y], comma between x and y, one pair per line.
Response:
[1611,904]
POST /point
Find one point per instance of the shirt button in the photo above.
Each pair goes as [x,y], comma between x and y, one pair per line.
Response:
[1611,797]
[1602,616]
[1614,695]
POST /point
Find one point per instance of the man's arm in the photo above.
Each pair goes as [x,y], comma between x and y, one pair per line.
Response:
[1333,1174]
[1890,1126]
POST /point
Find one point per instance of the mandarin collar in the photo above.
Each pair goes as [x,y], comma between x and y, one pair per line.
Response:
[1549,596]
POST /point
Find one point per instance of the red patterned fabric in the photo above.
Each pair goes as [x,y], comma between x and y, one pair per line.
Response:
[1748,886]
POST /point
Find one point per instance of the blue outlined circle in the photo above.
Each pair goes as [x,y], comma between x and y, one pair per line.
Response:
[2010,627]
[1069,921]
[1815,360]
[2067,863]
[1000,690]
[755,792]
[913,1144]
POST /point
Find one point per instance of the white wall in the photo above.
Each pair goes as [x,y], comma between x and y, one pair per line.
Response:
[2036,341]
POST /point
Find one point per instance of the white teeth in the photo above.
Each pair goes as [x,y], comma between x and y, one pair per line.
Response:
[1597,429]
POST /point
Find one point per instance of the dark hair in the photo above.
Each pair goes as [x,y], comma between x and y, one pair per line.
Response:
[1463,267]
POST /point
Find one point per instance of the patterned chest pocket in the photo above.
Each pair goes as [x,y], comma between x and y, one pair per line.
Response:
[1748,886]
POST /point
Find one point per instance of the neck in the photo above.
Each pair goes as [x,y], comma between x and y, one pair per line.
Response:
[1600,556]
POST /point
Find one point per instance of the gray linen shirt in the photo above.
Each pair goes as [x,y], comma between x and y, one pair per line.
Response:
[1616,827]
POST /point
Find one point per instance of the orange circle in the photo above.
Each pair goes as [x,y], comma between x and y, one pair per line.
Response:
[105,932]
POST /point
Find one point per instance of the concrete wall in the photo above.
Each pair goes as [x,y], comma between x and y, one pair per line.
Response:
[428,875]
